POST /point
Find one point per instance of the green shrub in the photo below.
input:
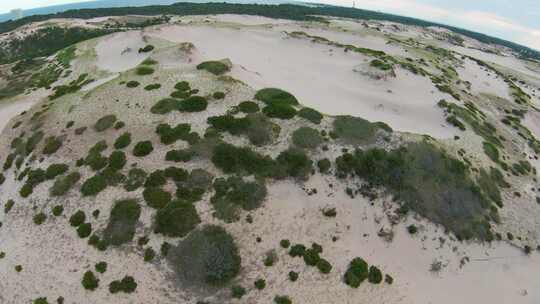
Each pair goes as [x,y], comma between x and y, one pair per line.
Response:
[260,284]
[132,84]
[229,123]
[324,266]
[206,256]
[237,291]
[281,111]
[117,160]
[311,257]
[184,155]
[156,197]
[149,254]
[143,148]
[156,179]
[324,165]
[123,141]
[2,178]
[170,135]
[52,144]
[127,285]
[234,193]
[388,279]
[275,96]
[355,130]
[182,86]
[218,95]
[84,230]
[284,244]
[136,178]
[101,267]
[55,169]
[147,48]
[295,163]
[282,300]
[233,159]
[180,94]
[63,184]
[41,300]
[381,65]
[165,249]
[123,218]
[248,107]
[57,210]
[9,204]
[94,185]
[297,250]
[165,106]
[311,115]
[39,218]
[105,123]
[144,70]
[193,104]
[293,276]
[214,67]
[306,137]
[375,275]
[491,151]
[412,229]
[176,219]
[176,174]
[77,218]
[89,281]
[152,87]
[356,273]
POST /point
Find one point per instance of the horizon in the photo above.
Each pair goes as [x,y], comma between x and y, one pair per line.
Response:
[497,18]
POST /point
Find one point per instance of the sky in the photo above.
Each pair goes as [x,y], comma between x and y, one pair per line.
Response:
[514,20]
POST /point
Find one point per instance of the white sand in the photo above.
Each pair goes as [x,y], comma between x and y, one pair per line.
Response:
[119,52]
[14,108]
[483,81]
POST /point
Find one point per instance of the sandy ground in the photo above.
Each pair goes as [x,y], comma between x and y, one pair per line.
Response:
[119,52]
[483,81]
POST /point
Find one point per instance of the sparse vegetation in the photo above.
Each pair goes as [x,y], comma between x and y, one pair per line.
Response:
[121,227]
[127,285]
[144,70]
[357,131]
[63,184]
[214,67]
[306,137]
[105,123]
[233,194]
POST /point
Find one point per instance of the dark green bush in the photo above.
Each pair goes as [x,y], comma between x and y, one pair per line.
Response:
[183,155]
[311,257]
[89,281]
[324,165]
[176,219]
[39,218]
[275,96]
[156,197]
[57,210]
[149,254]
[105,123]
[281,111]
[144,70]
[295,163]
[293,276]
[375,275]
[41,300]
[54,170]
[101,267]
[234,193]
[388,279]
[229,123]
[165,106]
[355,130]
[143,148]
[94,185]
[306,137]
[170,135]
[311,114]
[412,229]
[123,141]
[491,151]
[152,87]
[206,256]
[63,184]
[193,104]
[84,230]
[136,178]
[9,204]
[117,160]
[132,84]
[52,144]
[147,48]
[156,179]
[121,227]
[180,94]
[282,300]
[127,285]
[182,86]
[233,159]
[218,95]
[284,243]
[260,284]
[237,291]
[77,218]
[214,67]
[176,174]
[357,272]
[324,266]
[248,107]
[297,250]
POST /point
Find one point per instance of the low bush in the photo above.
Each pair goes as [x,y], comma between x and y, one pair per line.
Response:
[77,218]
[260,284]
[176,219]
[355,130]
[105,123]
[237,291]
[144,70]
[306,137]
[147,48]
[123,141]
[491,151]
[135,179]
[182,86]
[156,197]
[293,276]
[52,144]
[214,67]
[311,115]
[356,273]
[388,279]
[117,160]
[54,170]
[193,104]
[183,155]
[218,95]
[132,84]
[228,123]
[206,256]
[311,257]
[180,94]
[295,163]
[297,250]
[39,218]
[41,300]
[9,204]
[101,267]
[375,275]
[84,230]
[284,243]
[165,106]
[233,159]
[152,87]
[143,148]
[412,229]
[63,184]
[176,174]
[276,96]
[89,281]
[170,135]
[324,165]
[324,266]
[122,221]
[233,194]
[248,107]
[282,300]
[270,258]
[94,185]
[281,111]
[149,254]
[127,285]
[156,179]
[57,210]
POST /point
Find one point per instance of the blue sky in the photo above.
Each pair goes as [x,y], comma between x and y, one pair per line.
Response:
[517,20]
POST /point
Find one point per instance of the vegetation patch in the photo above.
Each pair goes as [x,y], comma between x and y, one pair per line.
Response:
[54,170]
[135,179]
[306,137]
[121,227]
[170,135]
[276,96]
[89,281]
[94,185]
[193,104]
[132,84]
[165,106]
[176,219]
[248,107]
[233,194]
[105,123]
[123,141]
[311,115]
[143,148]
[214,67]
[127,285]
[156,197]
[152,87]
[52,144]
[144,70]
[355,130]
